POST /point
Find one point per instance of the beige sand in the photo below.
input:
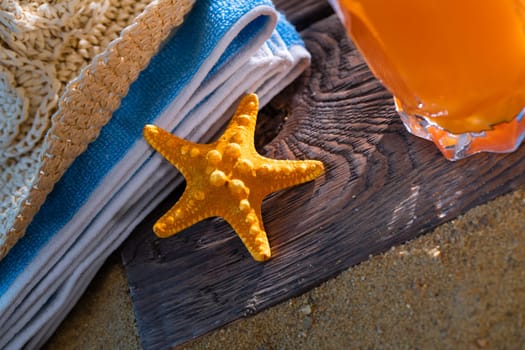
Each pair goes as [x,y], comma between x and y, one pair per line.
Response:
[461,286]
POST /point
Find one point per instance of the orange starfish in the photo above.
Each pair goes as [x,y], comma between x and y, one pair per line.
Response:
[227,178]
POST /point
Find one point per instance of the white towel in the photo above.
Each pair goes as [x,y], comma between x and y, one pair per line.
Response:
[191,87]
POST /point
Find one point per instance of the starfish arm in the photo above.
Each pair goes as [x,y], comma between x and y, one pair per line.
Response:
[247,223]
[171,147]
[241,129]
[281,174]
[185,213]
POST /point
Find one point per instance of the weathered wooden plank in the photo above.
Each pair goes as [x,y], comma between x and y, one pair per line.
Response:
[382,187]
[302,13]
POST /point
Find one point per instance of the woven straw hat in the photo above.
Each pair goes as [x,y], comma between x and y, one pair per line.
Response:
[64,68]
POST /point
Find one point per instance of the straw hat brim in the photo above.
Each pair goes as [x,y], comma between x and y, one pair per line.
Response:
[88,102]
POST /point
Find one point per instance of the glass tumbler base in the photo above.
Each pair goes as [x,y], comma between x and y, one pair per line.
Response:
[505,137]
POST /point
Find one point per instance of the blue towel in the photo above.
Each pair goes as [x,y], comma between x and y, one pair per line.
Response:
[223,50]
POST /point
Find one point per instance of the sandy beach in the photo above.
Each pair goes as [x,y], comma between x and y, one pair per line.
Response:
[459,286]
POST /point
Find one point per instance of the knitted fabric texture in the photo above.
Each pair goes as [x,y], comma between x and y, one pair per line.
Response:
[64,68]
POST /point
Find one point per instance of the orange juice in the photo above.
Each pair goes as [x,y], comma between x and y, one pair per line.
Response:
[460,64]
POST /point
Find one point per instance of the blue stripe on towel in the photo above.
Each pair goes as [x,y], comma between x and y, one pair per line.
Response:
[166,76]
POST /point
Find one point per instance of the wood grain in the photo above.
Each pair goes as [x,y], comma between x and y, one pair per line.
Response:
[304,12]
[382,187]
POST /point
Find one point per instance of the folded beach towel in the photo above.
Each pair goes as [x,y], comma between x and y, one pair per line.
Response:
[191,87]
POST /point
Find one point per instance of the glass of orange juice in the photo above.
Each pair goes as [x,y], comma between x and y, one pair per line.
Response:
[456,68]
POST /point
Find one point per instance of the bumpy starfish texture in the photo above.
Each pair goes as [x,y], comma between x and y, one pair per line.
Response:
[227,178]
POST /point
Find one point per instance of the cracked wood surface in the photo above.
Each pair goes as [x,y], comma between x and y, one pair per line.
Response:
[382,187]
